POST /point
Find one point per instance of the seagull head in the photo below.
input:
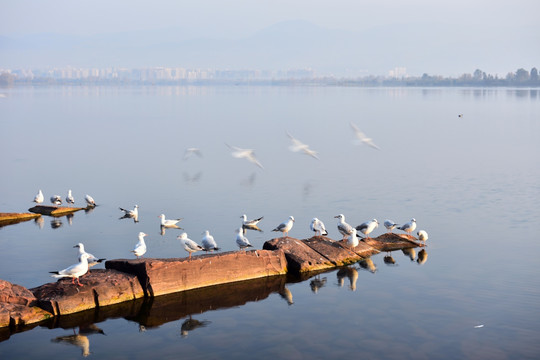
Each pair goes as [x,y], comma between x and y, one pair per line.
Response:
[291,218]
[340,216]
[80,246]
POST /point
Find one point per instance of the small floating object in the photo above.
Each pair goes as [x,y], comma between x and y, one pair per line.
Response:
[478,326]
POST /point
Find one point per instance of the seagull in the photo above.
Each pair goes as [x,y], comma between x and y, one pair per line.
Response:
[297,145]
[189,245]
[248,154]
[56,200]
[140,248]
[390,225]
[38,199]
[169,223]
[285,226]
[408,227]
[422,235]
[362,138]
[191,151]
[74,271]
[131,213]
[344,228]
[352,241]
[367,227]
[208,242]
[89,200]
[250,224]
[92,260]
[241,240]
[69,198]
[318,226]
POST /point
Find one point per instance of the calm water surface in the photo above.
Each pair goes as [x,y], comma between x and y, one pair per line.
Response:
[472,182]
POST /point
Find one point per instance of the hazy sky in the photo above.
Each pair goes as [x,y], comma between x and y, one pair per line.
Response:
[234,17]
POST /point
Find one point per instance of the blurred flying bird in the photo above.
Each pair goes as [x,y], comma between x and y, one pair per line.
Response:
[297,145]
[247,154]
[190,151]
[362,138]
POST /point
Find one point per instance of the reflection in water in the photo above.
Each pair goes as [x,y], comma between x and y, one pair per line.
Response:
[128,216]
[411,253]
[192,179]
[249,181]
[40,221]
[368,265]
[56,223]
[78,340]
[286,294]
[69,218]
[90,329]
[131,214]
[422,257]
[351,273]
[389,260]
[191,324]
[317,283]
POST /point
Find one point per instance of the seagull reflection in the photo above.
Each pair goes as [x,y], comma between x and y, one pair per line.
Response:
[89,209]
[78,340]
[368,264]
[131,214]
[191,151]
[422,257]
[317,283]
[40,222]
[287,295]
[411,253]
[90,329]
[389,260]
[249,181]
[192,324]
[350,273]
[69,218]
[192,179]
[56,223]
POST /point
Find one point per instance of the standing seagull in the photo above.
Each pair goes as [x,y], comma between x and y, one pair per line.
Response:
[169,223]
[140,248]
[56,200]
[408,227]
[92,260]
[344,228]
[90,200]
[367,227]
[297,145]
[241,240]
[422,235]
[247,154]
[362,138]
[352,241]
[38,199]
[69,198]
[189,245]
[390,225]
[74,271]
[285,226]
[208,242]
[318,226]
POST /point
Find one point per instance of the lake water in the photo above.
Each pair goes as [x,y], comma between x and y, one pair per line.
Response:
[472,182]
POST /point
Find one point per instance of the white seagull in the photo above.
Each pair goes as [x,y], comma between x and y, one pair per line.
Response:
[352,241]
[241,240]
[38,199]
[285,226]
[140,248]
[297,145]
[250,224]
[134,214]
[362,138]
[208,242]
[69,198]
[89,200]
[189,245]
[56,200]
[169,223]
[74,271]
[247,154]
[390,225]
[367,227]
[422,235]
[92,260]
[408,227]
[191,151]
[344,228]
[318,226]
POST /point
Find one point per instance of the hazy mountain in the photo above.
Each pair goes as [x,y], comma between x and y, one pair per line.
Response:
[432,48]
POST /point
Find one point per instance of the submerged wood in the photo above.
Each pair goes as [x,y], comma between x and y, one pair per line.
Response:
[54,210]
[14,218]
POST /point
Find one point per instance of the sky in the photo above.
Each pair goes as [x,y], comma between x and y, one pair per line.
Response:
[234,19]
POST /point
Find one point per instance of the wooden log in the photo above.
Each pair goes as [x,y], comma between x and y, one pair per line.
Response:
[14,218]
[54,210]
[166,276]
